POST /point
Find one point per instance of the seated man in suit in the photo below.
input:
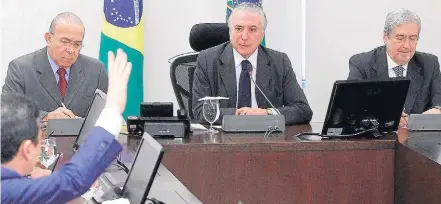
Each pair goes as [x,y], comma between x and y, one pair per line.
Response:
[226,69]
[21,137]
[58,78]
[398,58]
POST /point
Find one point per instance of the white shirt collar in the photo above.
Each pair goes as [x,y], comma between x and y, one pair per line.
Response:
[391,63]
[238,59]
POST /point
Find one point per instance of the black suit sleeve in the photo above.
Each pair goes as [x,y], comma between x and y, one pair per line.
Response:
[103,79]
[355,72]
[202,87]
[296,108]
[14,81]
[436,85]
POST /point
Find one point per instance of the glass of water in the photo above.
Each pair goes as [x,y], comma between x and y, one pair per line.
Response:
[211,112]
[49,151]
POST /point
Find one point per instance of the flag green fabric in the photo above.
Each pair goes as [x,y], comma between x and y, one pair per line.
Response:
[231,4]
[123,27]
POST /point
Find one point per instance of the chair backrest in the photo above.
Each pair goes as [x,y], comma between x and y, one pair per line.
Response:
[202,36]
[206,35]
[181,75]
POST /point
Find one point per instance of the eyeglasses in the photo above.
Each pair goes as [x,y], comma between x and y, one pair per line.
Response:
[402,38]
[65,42]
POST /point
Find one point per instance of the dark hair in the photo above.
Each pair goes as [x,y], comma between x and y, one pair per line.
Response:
[19,123]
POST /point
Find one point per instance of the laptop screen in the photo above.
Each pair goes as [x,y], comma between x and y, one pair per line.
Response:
[143,171]
[95,108]
[355,105]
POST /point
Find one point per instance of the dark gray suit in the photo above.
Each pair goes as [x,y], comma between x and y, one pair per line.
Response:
[423,70]
[32,76]
[215,75]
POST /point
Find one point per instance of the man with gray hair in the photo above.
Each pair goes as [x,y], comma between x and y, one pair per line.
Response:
[398,58]
[59,79]
[231,68]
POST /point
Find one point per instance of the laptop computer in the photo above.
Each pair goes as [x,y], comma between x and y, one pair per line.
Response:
[142,173]
[64,127]
[365,106]
[94,111]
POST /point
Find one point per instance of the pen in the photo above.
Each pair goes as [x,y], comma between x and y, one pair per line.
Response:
[63,104]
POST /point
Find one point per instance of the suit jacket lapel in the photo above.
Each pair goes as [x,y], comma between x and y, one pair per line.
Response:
[228,74]
[264,72]
[46,76]
[76,79]
[380,65]
[416,79]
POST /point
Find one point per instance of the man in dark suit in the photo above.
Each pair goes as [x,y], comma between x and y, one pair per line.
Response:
[21,145]
[58,78]
[398,58]
[225,70]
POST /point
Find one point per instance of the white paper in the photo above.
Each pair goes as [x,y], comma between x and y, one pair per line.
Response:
[217,126]
[197,127]
[213,98]
[117,201]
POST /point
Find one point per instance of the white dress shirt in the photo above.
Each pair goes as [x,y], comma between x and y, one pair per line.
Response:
[110,120]
[391,64]
[238,66]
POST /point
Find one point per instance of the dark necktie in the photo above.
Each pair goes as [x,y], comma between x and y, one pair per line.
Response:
[244,94]
[399,71]
[62,83]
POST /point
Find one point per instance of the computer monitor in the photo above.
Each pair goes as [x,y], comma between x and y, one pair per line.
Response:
[365,106]
[94,111]
[143,171]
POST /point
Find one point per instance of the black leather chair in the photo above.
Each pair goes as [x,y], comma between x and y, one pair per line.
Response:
[202,36]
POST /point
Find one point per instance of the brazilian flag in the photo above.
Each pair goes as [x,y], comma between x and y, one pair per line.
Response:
[231,4]
[123,27]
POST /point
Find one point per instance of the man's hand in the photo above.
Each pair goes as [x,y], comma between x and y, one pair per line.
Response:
[403,120]
[59,113]
[119,72]
[432,111]
[38,173]
[251,111]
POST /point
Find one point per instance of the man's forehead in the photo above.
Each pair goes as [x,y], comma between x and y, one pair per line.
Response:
[69,30]
[246,19]
[407,28]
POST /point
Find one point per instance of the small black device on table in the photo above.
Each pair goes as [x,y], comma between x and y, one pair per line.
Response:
[157,119]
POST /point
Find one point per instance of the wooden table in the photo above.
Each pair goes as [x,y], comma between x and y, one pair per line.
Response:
[228,168]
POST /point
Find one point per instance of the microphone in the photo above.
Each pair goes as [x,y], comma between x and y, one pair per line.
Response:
[250,71]
[117,191]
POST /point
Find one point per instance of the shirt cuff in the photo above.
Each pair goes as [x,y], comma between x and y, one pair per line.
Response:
[110,120]
[274,111]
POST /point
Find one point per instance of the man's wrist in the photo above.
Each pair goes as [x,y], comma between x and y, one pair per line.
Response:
[437,107]
[269,111]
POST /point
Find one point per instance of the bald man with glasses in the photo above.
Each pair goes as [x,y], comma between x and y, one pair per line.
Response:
[59,79]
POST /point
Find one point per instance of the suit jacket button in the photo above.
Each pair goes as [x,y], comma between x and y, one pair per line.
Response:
[102,146]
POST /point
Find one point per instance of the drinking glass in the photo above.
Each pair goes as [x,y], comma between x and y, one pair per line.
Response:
[211,112]
[49,151]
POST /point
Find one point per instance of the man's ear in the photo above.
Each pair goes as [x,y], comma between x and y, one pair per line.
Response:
[47,37]
[27,149]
